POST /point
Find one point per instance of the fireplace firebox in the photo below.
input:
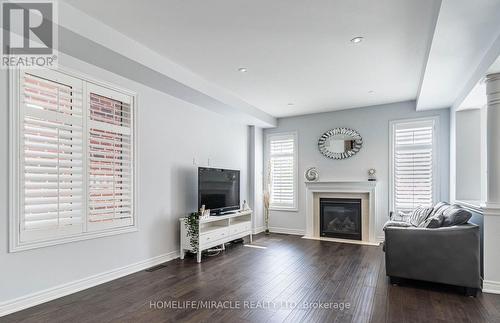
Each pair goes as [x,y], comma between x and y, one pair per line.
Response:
[340,218]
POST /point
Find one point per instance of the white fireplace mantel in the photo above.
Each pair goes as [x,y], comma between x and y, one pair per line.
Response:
[341,187]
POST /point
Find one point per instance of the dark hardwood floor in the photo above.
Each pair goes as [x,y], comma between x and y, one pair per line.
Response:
[284,282]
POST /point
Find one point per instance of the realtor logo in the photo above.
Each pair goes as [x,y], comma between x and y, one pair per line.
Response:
[29,34]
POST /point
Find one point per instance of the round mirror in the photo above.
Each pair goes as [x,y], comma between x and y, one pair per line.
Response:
[340,143]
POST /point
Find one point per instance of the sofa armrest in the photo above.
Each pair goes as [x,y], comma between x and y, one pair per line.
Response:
[448,255]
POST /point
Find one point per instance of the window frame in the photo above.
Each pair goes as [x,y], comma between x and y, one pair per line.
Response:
[268,138]
[15,167]
[436,185]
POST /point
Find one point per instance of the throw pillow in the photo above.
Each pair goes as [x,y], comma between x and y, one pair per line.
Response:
[401,216]
[433,222]
[439,208]
[399,224]
[419,215]
[455,215]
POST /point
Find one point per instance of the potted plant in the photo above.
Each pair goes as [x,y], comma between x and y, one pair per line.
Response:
[192,224]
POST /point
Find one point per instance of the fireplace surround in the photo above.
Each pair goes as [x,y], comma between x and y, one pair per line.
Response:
[364,190]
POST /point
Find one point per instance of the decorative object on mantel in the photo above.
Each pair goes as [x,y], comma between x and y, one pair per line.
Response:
[340,143]
[372,177]
[312,174]
[193,228]
[245,206]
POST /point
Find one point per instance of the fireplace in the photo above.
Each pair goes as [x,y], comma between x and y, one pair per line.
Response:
[340,218]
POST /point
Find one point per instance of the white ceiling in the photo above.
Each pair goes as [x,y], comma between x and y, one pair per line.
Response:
[295,52]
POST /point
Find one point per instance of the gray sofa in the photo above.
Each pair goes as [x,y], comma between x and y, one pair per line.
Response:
[449,254]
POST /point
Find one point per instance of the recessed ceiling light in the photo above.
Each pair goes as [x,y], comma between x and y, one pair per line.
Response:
[243,69]
[356,40]
[371,91]
[290,104]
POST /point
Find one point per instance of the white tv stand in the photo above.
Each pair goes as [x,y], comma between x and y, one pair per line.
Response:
[217,230]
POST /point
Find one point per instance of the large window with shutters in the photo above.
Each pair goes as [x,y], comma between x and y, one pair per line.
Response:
[414,178]
[72,159]
[282,170]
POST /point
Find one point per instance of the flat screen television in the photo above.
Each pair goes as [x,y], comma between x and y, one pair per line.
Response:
[218,189]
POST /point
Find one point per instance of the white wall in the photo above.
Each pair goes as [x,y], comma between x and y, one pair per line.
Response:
[453,154]
[468,155]
[486,208]
[171,134]
[373,125]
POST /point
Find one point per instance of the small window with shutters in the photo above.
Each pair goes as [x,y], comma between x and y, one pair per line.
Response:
[414,179]
[71,159]
[282,171]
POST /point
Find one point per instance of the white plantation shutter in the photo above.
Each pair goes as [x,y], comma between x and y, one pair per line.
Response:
[71,159]
[413,164]
[282,172]
[51,155]
[110,159]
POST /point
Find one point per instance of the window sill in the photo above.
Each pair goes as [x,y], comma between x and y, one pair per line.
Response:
[474,205]
[17,247]
[286,209]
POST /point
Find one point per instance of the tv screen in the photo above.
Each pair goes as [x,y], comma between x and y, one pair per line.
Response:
[218,189]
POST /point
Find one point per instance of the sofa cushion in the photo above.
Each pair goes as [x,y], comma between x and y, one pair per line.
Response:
[419,215]
[455,215]
[401,224]
[433,222]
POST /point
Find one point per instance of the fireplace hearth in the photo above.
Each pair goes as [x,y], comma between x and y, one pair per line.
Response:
[340,218]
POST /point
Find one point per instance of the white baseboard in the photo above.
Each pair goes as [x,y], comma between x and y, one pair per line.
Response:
[491,287]
[297,232]
[259,230]
[49,294]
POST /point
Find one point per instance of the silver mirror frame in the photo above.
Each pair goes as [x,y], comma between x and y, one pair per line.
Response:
[358,143]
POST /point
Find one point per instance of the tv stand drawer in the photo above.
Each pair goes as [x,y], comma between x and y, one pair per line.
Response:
[240,228]
[213,235]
